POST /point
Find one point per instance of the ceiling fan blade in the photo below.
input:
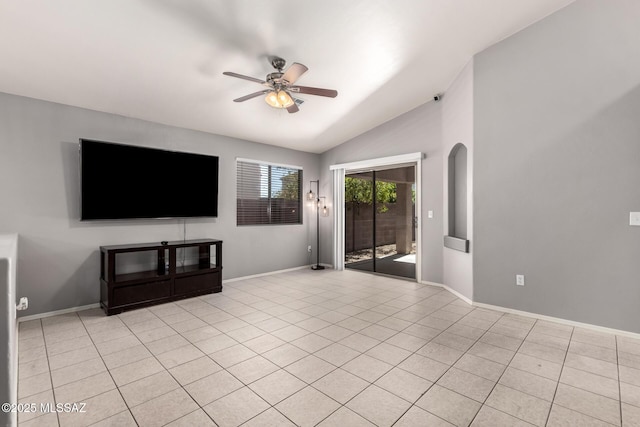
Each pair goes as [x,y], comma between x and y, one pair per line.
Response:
[314,91]
[251,95]
[240,76]
[293,108]
[294,72]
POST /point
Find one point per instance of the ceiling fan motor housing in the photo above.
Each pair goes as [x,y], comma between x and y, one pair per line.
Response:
[274,79]
[278,63]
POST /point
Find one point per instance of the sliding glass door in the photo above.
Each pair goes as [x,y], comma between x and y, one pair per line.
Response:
[379,221]
[359,221]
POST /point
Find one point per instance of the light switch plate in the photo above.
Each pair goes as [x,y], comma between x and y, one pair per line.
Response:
[430,214]
[634,218]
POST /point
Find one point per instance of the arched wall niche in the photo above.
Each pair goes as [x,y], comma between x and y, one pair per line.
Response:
[457,195]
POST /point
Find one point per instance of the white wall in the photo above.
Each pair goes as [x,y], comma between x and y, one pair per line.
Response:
[58,255]
[457,127]
[8,327]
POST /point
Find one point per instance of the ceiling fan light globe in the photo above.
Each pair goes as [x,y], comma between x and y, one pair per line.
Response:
[272,99]
[285,99]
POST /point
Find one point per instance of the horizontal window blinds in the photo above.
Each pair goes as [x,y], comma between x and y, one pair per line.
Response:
[268,194]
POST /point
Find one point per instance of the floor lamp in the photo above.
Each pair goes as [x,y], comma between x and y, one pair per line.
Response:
[325,212]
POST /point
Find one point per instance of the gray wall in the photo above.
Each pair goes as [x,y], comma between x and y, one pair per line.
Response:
[557,166]
[416,130]
[58,254]
[457,128]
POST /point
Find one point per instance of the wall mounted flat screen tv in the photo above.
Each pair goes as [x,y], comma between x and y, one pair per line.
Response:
[125,182]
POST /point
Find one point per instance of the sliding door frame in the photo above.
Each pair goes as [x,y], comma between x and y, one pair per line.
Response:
[339,172]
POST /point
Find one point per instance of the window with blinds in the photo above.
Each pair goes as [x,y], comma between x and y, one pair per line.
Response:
[268,194]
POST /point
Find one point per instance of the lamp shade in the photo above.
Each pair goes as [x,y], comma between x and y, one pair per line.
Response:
[272,99]
[280,99]
[324,210]
[285,99]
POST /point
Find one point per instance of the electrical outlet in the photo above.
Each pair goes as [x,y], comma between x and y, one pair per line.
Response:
[634,218]
[520,279]
[309,248]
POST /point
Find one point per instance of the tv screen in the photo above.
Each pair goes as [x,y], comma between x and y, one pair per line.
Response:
[124,182]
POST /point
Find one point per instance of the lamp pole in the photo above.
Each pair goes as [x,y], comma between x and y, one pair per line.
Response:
[317,201]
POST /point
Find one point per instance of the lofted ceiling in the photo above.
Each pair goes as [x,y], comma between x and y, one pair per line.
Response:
[162,60]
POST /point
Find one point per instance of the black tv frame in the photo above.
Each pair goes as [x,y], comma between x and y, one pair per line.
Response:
[163,185]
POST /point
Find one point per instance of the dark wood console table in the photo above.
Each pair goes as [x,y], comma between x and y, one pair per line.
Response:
[139,275]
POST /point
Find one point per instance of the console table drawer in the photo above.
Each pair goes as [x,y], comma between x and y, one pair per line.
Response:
[197,283]
[124,295]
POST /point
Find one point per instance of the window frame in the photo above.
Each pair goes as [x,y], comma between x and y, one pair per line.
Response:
[270,178]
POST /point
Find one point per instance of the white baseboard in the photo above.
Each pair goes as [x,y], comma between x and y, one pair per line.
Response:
[57,312]
[453,291]
[268,273]
[535,315]
[559,320]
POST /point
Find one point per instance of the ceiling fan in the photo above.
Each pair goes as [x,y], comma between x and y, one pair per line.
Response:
[281,86]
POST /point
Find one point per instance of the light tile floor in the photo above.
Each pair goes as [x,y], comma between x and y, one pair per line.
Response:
[325,348]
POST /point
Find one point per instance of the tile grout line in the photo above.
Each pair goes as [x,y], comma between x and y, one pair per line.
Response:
[165,370]
[46,351]
[354,332]
[364,353]
[223,368]
[619,380]
[590,391]
[340,405]
[502,374]
[450,366]
[205,355]
[431,340]
[462,355]
[555,392]
[52,386]
[361,353]
[109,372]
[154,356]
